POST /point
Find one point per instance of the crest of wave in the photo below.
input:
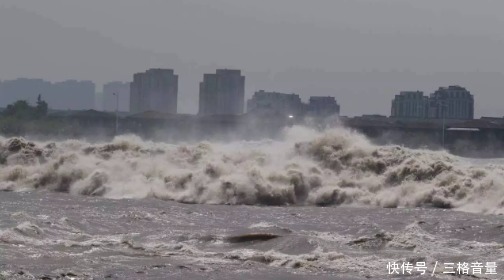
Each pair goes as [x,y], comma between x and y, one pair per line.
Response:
[334,167]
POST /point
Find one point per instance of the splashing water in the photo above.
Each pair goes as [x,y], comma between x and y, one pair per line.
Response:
[305,167]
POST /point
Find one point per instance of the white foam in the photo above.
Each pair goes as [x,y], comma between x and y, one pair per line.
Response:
[334,167]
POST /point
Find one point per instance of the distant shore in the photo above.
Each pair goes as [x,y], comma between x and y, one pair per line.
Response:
[476,138]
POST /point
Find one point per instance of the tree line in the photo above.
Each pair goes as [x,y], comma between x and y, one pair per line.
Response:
[20,118]
[21,109]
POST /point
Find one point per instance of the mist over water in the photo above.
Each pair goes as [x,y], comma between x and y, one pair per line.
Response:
[305,167]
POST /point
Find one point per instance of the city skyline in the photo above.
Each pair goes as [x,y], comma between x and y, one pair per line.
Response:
[151,91]
[337,56]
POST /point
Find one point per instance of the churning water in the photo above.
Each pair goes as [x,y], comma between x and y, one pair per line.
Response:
[383,204]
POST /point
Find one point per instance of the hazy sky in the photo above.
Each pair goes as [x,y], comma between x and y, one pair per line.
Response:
[361,52]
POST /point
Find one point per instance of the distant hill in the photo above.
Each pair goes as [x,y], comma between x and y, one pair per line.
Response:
[37,47]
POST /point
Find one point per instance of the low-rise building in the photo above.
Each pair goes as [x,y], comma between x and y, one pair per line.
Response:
[323,106]
[453,102]
[410,104]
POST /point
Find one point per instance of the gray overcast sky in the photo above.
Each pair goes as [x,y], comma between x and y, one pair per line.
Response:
[361,52]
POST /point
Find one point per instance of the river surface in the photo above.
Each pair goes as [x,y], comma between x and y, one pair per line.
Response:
[311,205]
[50,235]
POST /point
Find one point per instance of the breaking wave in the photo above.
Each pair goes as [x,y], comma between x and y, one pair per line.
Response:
[334,167]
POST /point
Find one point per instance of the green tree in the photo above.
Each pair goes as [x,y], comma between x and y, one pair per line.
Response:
[19,109]
[19,118]
[22,110]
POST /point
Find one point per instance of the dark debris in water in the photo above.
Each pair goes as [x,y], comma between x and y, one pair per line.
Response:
[252,237]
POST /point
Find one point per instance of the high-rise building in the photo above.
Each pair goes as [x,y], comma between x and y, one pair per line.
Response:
[154,90]
[453,102]
[116,92]
[323,106]
[410,104]
[275,103]
[222,93]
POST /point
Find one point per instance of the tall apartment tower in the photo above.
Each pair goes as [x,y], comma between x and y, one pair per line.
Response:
[222,93]
[410,104]
[154,90]
[453,102]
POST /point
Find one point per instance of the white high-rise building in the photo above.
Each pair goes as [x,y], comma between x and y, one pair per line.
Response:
[154,90]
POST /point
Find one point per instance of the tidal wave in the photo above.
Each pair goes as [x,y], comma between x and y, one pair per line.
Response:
[306,167]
